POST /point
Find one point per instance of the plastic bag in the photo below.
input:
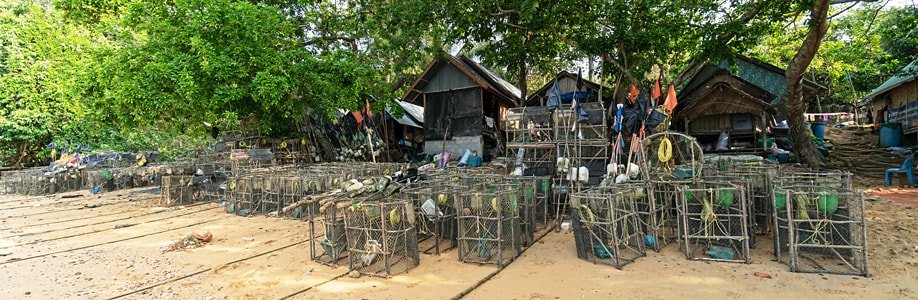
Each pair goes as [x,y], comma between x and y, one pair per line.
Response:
[464,160]
[723,140]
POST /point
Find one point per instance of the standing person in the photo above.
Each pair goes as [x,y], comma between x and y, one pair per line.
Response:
[870,117]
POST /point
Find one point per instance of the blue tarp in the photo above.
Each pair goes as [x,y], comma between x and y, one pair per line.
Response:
[579,96]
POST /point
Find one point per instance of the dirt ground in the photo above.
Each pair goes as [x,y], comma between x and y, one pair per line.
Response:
[82,246]
[109,246]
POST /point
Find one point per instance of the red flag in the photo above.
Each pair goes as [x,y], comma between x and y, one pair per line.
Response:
[657,92]
[671,101]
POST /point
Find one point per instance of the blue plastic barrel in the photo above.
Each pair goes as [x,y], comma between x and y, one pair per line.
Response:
[819,129]
[890,135]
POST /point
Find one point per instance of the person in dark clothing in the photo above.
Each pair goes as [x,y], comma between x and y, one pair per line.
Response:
[870,117]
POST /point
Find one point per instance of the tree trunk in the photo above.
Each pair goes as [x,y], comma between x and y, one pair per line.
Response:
[796,105]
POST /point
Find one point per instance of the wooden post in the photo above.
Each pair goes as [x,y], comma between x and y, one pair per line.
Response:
[764,133]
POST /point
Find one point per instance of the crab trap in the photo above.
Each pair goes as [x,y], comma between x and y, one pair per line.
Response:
[670,156]
[658,221]
[35,182]
[607,226]
[381,237]
[245,194]
[522,192]
[802,177]
[820,229]
[176,190]
[330,246]
[436,215]
[530,141]
[743,183]
[760,179]
[535,194]
[489,226]
[713,221]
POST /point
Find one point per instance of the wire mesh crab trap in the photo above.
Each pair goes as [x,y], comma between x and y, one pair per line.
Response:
[436,215]
[669,156]
[534,194]
[656,213]
[216,170]
[246,194]
[489,229]
[606,224]
[804,177]
[760,183]
[713,221]
[176,190]
[743,183]
[669,160]
[530,140]
[331,247]
[381,237]
[821,230]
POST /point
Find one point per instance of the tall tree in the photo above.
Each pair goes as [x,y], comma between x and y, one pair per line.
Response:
[43,70]
[804,146]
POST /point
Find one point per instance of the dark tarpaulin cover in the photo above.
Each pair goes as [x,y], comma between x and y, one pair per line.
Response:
[453,113]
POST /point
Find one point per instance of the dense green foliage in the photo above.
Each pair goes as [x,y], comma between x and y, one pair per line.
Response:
[143,74]
[862,49]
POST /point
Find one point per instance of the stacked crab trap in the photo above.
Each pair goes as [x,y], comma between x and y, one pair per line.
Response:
[670,161]
[582,151]
[607,226]
[713,221]
[488,220]
[436,214]
[819,223]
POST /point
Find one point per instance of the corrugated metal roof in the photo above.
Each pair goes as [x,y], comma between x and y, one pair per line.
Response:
[413,116]
[495,81]
[471,69]
[415,111]
[907,74]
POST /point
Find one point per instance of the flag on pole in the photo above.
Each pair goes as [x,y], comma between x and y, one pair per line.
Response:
[656,93]
[671,101]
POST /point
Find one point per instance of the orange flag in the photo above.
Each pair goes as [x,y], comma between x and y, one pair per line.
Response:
[359,117]
[656,93]
[671,101]
[633,93]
